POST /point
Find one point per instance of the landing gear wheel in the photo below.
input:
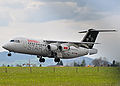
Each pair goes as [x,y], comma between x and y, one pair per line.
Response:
[9,54]
[57,59]
[41,60]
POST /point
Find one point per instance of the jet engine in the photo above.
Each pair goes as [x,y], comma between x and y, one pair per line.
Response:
[93,51]
[52,47]
[63,47]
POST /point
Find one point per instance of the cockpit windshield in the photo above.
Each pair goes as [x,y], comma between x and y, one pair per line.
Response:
[17,41]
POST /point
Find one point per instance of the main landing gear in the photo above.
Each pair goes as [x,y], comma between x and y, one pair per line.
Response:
[57,59]
[41,60]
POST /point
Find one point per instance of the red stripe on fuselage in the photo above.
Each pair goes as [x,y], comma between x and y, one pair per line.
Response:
[33,41]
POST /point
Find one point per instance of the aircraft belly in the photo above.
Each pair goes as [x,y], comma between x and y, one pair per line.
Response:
[69,54]
[74,53]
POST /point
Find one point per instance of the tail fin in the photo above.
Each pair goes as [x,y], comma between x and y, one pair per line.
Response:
[91,36]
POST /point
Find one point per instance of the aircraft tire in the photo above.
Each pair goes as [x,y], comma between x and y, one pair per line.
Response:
[41,60]
[9,54]
[57,59]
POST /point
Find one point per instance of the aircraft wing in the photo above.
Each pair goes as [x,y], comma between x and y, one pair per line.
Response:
[76,43]
[51,41]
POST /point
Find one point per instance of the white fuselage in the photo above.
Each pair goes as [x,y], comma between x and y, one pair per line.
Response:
[40,48]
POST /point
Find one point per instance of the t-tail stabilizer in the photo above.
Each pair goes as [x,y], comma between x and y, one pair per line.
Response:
[91,36]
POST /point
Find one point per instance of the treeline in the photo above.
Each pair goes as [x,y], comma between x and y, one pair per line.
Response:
[115,64]
[105,63]
[98,62]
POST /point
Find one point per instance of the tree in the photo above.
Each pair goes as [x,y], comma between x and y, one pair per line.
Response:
[118,64]
[17,65]
[8,65]
[75,64]
[60,63]
[99,62]
[40,65]
[105,63]
[83,64]
[115,64]
[3,65]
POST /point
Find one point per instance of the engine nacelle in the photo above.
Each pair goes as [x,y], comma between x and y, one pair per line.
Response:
[93,51]
[63,47]
[52,47]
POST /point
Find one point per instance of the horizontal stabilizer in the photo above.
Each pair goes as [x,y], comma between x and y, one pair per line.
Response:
[98,31]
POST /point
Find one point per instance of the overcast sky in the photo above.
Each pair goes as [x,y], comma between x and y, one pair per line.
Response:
[61,20]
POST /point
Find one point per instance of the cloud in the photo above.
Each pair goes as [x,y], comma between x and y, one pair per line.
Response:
[33,11]
[15,4]
[41,11]
[7,7]
[5,19]
[50,11]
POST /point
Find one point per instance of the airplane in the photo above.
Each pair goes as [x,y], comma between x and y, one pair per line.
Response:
[55,49]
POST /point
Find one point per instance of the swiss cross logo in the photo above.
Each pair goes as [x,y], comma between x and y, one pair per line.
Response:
[65,47]
[90,38]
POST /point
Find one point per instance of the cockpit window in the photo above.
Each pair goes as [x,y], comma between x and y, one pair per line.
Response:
[17,41]
[11,40]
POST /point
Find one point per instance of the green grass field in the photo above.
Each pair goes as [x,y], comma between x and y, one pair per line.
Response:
[59,76]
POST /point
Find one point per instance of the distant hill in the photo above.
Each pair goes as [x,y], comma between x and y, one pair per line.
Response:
[24,58]
[21,59]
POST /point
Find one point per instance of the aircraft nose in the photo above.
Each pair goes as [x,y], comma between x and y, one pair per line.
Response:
[5,46]
[9,46]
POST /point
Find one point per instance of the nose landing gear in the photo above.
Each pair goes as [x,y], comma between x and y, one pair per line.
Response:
[9,54]
[41,59]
